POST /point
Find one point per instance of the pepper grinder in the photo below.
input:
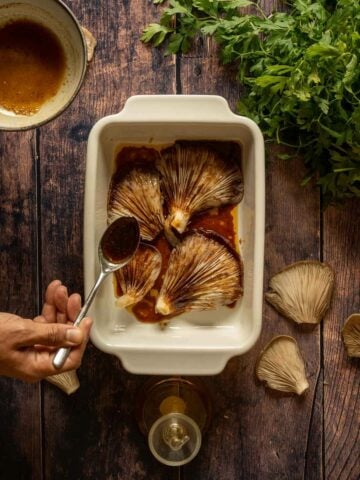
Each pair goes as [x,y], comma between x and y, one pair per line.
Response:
[174,413]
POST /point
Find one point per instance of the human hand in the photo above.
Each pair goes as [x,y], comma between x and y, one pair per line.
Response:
[27,346]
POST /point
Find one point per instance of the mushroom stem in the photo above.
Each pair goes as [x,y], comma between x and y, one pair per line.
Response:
[179,219]
[162,306]
[68,382]
[301,387]
[170,234]
[125,301]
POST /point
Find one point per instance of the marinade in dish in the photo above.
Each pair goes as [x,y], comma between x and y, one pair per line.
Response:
[220,219]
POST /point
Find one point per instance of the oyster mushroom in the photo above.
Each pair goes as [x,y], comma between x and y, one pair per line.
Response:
[67,381]
[135,191]
[90,43]
[196,178]
[302,291]
[139,275]
[281,366]
[351,335]
[204,273]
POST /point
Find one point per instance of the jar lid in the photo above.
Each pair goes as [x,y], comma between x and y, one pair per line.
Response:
[174,439]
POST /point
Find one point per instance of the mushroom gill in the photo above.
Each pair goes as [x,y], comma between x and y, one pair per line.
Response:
[137,278]
[196,177]
[68,382]
[351,335]
[281,366]
[135,191]
[204,273]
[302,291]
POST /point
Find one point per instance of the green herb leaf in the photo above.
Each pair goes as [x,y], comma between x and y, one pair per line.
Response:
[155,33]
[301,72]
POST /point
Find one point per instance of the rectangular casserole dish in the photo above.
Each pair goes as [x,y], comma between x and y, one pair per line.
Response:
[196,343]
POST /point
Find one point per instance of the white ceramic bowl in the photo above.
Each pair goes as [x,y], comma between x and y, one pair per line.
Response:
[196,343]
[57,17]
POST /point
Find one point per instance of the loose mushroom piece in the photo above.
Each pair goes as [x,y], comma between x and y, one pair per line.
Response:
[281,366]
[137,278]
[351,335]
[204,273]
[302,291]
[90,43]
[67,381]
[196,178]
[135,191]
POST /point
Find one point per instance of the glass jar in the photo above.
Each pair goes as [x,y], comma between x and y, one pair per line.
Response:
[174,413]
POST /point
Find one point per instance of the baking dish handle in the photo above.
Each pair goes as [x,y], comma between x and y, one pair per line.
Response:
[171,363]
[179,108]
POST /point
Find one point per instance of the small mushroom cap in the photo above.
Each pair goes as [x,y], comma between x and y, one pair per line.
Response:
[302,291]
[281,366]
[67,381]
[90,43]
[351,335]
[204,273]
[196,177]
[135,191]
[138,277]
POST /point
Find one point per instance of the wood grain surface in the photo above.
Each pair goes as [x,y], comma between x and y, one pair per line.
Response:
[20,404]
[342,374]
[255,434]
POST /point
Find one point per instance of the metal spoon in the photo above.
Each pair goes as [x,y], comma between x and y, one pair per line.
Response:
[116,248]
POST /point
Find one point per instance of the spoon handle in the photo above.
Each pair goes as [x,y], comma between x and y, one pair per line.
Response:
[62,354]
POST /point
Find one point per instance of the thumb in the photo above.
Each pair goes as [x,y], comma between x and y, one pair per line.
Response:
[51,334]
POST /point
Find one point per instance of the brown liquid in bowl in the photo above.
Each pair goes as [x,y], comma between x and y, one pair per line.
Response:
[32,66]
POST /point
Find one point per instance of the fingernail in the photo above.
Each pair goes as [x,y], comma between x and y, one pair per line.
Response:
[74,335]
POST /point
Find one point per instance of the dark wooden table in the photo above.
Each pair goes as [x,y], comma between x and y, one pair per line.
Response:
[45,435]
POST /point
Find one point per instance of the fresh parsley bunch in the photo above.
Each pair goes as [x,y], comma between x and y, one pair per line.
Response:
[301,69]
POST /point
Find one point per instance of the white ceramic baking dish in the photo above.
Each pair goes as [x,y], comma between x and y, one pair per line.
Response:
[196,343]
